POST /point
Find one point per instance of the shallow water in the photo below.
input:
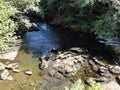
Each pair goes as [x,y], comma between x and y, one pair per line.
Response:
[22,81]
[41,42]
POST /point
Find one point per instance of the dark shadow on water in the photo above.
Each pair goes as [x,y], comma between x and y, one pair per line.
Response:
[49,37]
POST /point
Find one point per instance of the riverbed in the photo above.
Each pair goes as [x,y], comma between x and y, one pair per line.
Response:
[43,42]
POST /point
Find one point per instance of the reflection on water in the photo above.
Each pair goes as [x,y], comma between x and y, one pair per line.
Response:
[41,41]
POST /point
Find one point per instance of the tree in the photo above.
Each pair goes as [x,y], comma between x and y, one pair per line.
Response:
[96,16]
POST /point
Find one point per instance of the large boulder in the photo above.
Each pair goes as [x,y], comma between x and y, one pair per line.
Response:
[12,51]
[67,63]
[4,74]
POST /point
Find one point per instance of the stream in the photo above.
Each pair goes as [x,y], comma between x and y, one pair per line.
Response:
[60,38]
[42,42]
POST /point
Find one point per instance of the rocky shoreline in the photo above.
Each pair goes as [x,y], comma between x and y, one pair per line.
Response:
[67,63]
[12,51]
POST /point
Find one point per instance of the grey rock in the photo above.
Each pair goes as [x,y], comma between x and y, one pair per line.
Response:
[12,66]
[10,55]
[52,72]
[4,74]
[43,64]
[98,62]
[103,69]
[77,49]
[67,63]
[91,62]
[115,70]
[28,72]
[94,68]
[101,79]
[107,75]
[16,70]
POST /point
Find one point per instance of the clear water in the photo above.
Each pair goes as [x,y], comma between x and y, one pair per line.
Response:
[41,41]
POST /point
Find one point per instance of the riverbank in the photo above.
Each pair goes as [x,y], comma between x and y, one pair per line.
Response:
[77,55]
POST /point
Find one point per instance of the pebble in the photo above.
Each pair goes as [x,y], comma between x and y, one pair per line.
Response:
[16,70]
[28,72]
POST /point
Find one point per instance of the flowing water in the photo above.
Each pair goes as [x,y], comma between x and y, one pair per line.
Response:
[42,42]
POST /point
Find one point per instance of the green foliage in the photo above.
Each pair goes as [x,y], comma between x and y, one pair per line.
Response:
[94,86]
[77,86]
[7,25]
[26,6]
[97,16]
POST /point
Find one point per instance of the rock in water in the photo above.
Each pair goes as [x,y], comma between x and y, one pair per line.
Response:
[28,72]
[2,66]
[67,63]
[16,70]
[4,74]
[9,78]
[12,66]
[115,70]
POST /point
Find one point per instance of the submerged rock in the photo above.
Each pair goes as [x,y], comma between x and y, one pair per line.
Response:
[9,78]
[28,72]
[16,70]
[4,74]
[52,72]
[12,66]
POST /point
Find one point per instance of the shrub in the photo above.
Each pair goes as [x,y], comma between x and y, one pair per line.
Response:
[95,16]
[7,25]
[76,86]
[26,6]
[94,86]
